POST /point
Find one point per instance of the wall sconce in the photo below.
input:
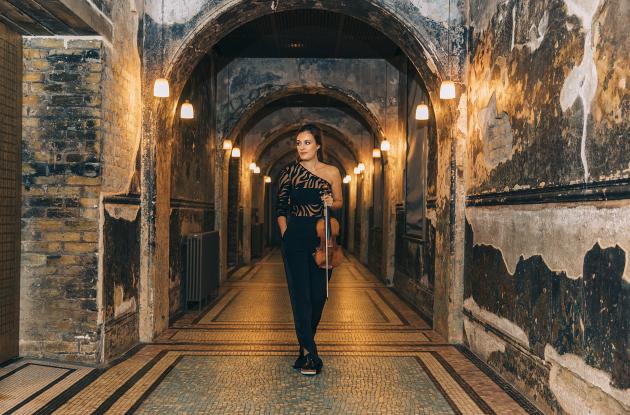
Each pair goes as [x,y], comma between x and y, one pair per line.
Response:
[227,144]
[376,153]
[161,88]
[422,112]
[252,166]
[447,90]
[236,152]
[257,170]
[267,179]
[385,145]
[361,167]
[187,111]
[347,179]
[357,170]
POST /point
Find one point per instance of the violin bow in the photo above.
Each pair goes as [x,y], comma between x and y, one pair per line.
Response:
[326,224]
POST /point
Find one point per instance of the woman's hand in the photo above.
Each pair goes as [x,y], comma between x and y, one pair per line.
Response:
[328,200]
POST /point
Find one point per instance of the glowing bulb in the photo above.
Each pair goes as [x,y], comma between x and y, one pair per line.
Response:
[187,112]
[267,179]
[160,88]
[361,167]
[357,170]
[422,112]
[236,152]
[385,146]
[227,144]
[376,153]
[347,179]
[257,170]
[447,90]
[252,166]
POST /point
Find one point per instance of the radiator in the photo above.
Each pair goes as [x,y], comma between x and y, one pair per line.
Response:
[201,254]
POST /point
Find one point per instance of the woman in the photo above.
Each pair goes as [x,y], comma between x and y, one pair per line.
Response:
[304,188]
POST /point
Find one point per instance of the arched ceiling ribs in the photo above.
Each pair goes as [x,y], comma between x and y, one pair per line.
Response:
[417,39]
[245,114]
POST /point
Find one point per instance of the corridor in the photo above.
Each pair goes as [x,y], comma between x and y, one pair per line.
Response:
[478,155]
[379,356]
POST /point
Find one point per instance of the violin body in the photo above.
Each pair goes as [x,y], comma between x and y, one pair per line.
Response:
[335,254]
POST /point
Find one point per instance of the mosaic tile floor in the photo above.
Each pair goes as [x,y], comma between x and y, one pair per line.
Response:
[235,357]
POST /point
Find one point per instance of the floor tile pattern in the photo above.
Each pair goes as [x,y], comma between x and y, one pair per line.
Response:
[235,356]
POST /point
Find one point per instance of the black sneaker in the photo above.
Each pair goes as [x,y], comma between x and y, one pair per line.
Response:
[312,366]
[299,362]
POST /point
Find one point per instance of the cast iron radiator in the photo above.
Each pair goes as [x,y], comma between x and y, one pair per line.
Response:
[201,257]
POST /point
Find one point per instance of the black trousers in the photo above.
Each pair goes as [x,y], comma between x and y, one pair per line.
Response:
[306,281]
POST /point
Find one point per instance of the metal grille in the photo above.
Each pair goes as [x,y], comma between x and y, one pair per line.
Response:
[10,132]
[202,268]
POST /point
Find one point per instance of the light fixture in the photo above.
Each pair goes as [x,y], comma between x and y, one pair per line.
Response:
[267,179]
[347,179]
[357,170]
[361,167]
[422,112]
[236,152]
[252,166]
[447,90]
[187,112]
[376,153]
[385,146]
[161,88]
[227,144]
[257,170]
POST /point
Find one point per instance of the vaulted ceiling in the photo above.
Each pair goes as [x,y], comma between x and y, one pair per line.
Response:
[307,33]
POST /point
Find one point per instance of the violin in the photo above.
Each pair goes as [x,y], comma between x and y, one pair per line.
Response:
[329,254]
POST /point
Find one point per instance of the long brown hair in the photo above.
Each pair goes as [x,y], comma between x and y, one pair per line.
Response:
[317,134]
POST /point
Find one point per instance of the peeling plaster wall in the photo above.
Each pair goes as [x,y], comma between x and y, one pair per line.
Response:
[547,286]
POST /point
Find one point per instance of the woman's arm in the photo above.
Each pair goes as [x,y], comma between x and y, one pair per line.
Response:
[337,194]
[282,201]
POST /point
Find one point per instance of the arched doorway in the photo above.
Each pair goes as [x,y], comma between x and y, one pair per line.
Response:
[182,49]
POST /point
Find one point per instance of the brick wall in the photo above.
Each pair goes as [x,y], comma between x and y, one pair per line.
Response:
[61,179]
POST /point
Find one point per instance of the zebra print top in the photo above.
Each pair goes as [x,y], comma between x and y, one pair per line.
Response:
[299,192]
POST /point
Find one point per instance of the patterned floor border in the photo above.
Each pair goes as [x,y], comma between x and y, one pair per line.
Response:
[162,358]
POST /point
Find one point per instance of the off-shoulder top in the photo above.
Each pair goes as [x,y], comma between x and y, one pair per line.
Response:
[299,192]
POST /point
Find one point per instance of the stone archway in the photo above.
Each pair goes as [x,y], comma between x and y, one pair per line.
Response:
[183,40]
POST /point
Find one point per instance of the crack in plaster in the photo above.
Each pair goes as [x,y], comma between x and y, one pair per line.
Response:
[582,80]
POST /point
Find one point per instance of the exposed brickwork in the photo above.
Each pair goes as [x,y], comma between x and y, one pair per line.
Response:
[122,102]
[61,178]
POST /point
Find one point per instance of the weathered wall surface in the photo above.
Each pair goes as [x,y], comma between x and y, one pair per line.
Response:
[120,225]
[121,271]
[193,166]
[61,179]
[547,285]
